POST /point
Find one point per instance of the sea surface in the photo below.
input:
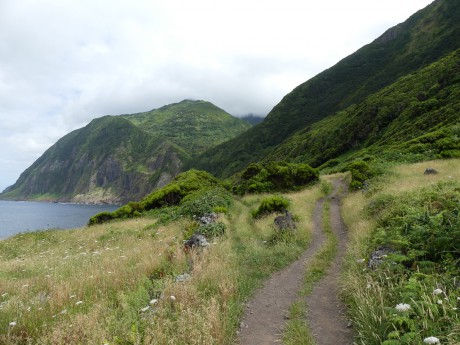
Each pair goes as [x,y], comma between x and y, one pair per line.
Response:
[24,216]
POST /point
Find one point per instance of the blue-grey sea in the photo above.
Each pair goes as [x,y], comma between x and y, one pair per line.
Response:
[23,216]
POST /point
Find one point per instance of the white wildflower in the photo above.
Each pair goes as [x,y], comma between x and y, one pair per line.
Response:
[431,340]
[73,296]
[145,308]
[437,292]
[402,307]
[79,302]
[439,301]
[64,311]
[153,301]
[172,298]
[13,323]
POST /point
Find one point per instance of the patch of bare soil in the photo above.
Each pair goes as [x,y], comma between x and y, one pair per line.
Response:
[266,312]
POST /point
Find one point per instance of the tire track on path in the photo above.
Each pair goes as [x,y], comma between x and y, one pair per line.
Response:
[266,312]
[326,313]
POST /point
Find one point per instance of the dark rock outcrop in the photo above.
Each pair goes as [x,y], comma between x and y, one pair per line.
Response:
[285,222]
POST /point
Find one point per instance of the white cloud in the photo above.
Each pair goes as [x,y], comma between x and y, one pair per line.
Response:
[63,63]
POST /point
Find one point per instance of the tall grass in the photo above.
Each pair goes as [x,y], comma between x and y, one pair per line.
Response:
[373,294]
[115,283]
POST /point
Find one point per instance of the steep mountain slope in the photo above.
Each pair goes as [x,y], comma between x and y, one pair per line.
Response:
[418,116]
[116,159]
[424,38]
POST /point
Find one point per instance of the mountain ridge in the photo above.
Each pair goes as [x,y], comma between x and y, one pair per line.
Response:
[115,159]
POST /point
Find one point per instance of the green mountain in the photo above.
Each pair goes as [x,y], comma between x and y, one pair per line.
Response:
[417,117]
[194,125]
[423,39]
[116,159]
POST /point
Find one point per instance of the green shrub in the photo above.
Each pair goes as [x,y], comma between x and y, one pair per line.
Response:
[100,218]
[424,226]
[212,230]
[360,172]
[270,205]
[205,201]
[170,195]
[274,176]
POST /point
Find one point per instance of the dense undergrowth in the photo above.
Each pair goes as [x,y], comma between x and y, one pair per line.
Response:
[412,291]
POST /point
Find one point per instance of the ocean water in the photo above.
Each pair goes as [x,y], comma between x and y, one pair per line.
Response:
[24,216]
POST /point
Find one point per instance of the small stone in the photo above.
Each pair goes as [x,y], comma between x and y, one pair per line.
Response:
[153,301]
[183,278]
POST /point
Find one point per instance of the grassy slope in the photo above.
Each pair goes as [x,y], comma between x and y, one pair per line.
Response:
[115,269]
[91,285]
[373,295]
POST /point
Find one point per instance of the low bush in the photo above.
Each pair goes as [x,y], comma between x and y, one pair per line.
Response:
[170,195]
[274,176]
[270,205]
[205,201]
[212,230]
[361,172]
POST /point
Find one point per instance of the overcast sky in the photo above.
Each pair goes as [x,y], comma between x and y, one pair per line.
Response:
[65,62]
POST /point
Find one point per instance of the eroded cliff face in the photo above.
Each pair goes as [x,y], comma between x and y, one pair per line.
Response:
[84,171]
[112,184]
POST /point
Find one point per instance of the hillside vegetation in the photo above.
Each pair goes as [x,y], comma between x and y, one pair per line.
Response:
[401,280]
[415,118]
[423,39]
[124,281]
[116,159]
[192,125]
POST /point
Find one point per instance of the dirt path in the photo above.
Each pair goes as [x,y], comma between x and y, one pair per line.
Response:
[325,311]
[266,311]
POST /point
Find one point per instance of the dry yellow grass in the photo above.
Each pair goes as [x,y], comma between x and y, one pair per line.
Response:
[93,285]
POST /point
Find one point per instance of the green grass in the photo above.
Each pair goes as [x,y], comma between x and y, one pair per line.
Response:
[412,213]
[114,270]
